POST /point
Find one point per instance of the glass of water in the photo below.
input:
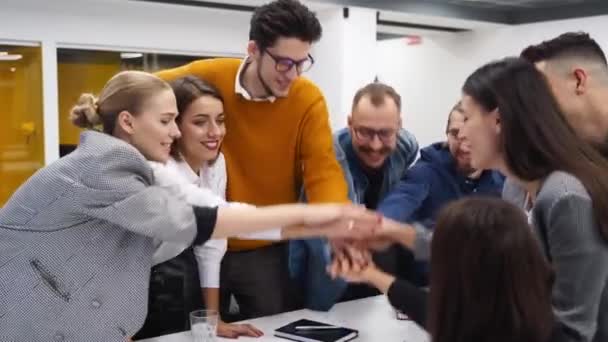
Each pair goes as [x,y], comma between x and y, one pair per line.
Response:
[203,325]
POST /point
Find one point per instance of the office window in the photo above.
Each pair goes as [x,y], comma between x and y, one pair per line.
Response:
[21,132]
[81,71]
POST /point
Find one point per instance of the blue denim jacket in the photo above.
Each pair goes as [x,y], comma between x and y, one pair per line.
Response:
[308,259]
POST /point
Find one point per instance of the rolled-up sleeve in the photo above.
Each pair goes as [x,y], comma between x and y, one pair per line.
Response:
[209,259]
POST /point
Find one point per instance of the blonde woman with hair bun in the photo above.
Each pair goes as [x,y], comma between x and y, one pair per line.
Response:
[77,238]
[84,114]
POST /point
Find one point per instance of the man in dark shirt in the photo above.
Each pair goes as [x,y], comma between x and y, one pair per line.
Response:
[442,174]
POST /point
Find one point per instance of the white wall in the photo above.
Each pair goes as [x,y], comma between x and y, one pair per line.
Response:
[426,77]
[345,58]
[126,24]
[429,76]
[487,46]
[329,56]
[360,47]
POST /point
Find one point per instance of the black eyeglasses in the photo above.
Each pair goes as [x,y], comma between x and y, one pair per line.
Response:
[285,64]
[367,134]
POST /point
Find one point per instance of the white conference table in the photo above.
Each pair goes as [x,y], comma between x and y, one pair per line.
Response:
[373,317]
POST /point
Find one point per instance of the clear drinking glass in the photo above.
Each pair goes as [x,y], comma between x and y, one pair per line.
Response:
[203,325]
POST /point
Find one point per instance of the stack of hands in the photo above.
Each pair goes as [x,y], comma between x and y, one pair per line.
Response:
[355,233]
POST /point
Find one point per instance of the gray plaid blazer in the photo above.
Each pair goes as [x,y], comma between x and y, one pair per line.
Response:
[76,245]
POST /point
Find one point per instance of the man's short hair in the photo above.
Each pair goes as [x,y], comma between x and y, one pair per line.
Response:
[378,92]
[457,108]
[283,19]
[570,44]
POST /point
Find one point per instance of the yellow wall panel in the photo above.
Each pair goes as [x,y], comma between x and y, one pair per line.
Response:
[75,78]
[21,135]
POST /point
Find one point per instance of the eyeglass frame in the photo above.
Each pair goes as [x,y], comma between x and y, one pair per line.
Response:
[390,134]
[278,59]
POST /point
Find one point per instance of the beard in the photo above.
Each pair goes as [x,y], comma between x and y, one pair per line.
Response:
[465,169]
[267,88]
[384,150]
[463,165]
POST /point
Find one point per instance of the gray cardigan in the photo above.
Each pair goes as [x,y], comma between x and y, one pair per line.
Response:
[76,244]
[565,225]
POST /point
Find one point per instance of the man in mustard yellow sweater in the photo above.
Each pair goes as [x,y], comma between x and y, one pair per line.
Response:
[278,140]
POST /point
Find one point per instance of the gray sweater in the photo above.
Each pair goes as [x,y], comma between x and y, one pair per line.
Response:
[563,221]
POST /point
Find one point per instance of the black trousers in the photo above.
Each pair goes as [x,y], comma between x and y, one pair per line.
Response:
[175,291]
[259,281]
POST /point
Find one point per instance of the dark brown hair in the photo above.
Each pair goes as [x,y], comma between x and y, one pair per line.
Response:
[535,136]
[283,18]
[570,44]
[188,89]
[489,279]
[377,92]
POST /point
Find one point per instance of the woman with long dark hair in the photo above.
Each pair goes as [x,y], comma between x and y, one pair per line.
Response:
[514,125]
[489,280]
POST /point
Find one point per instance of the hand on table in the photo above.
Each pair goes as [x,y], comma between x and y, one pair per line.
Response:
[236,330]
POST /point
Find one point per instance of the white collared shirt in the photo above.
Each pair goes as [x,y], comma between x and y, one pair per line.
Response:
[239,89]
[528,207]
[206,189]
[209,255]
[212,176]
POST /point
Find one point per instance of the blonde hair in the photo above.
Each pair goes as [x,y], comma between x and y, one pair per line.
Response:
[125,91]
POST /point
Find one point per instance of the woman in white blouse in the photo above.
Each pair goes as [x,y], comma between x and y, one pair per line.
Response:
[196,162]
[197,157]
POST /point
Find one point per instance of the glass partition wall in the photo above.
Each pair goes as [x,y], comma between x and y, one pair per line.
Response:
[81,71]
[21,99]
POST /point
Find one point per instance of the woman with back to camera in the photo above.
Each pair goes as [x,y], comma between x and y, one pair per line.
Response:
[489,281]
[77,239]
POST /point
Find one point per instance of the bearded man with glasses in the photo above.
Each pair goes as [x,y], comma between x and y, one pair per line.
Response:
[375,153]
